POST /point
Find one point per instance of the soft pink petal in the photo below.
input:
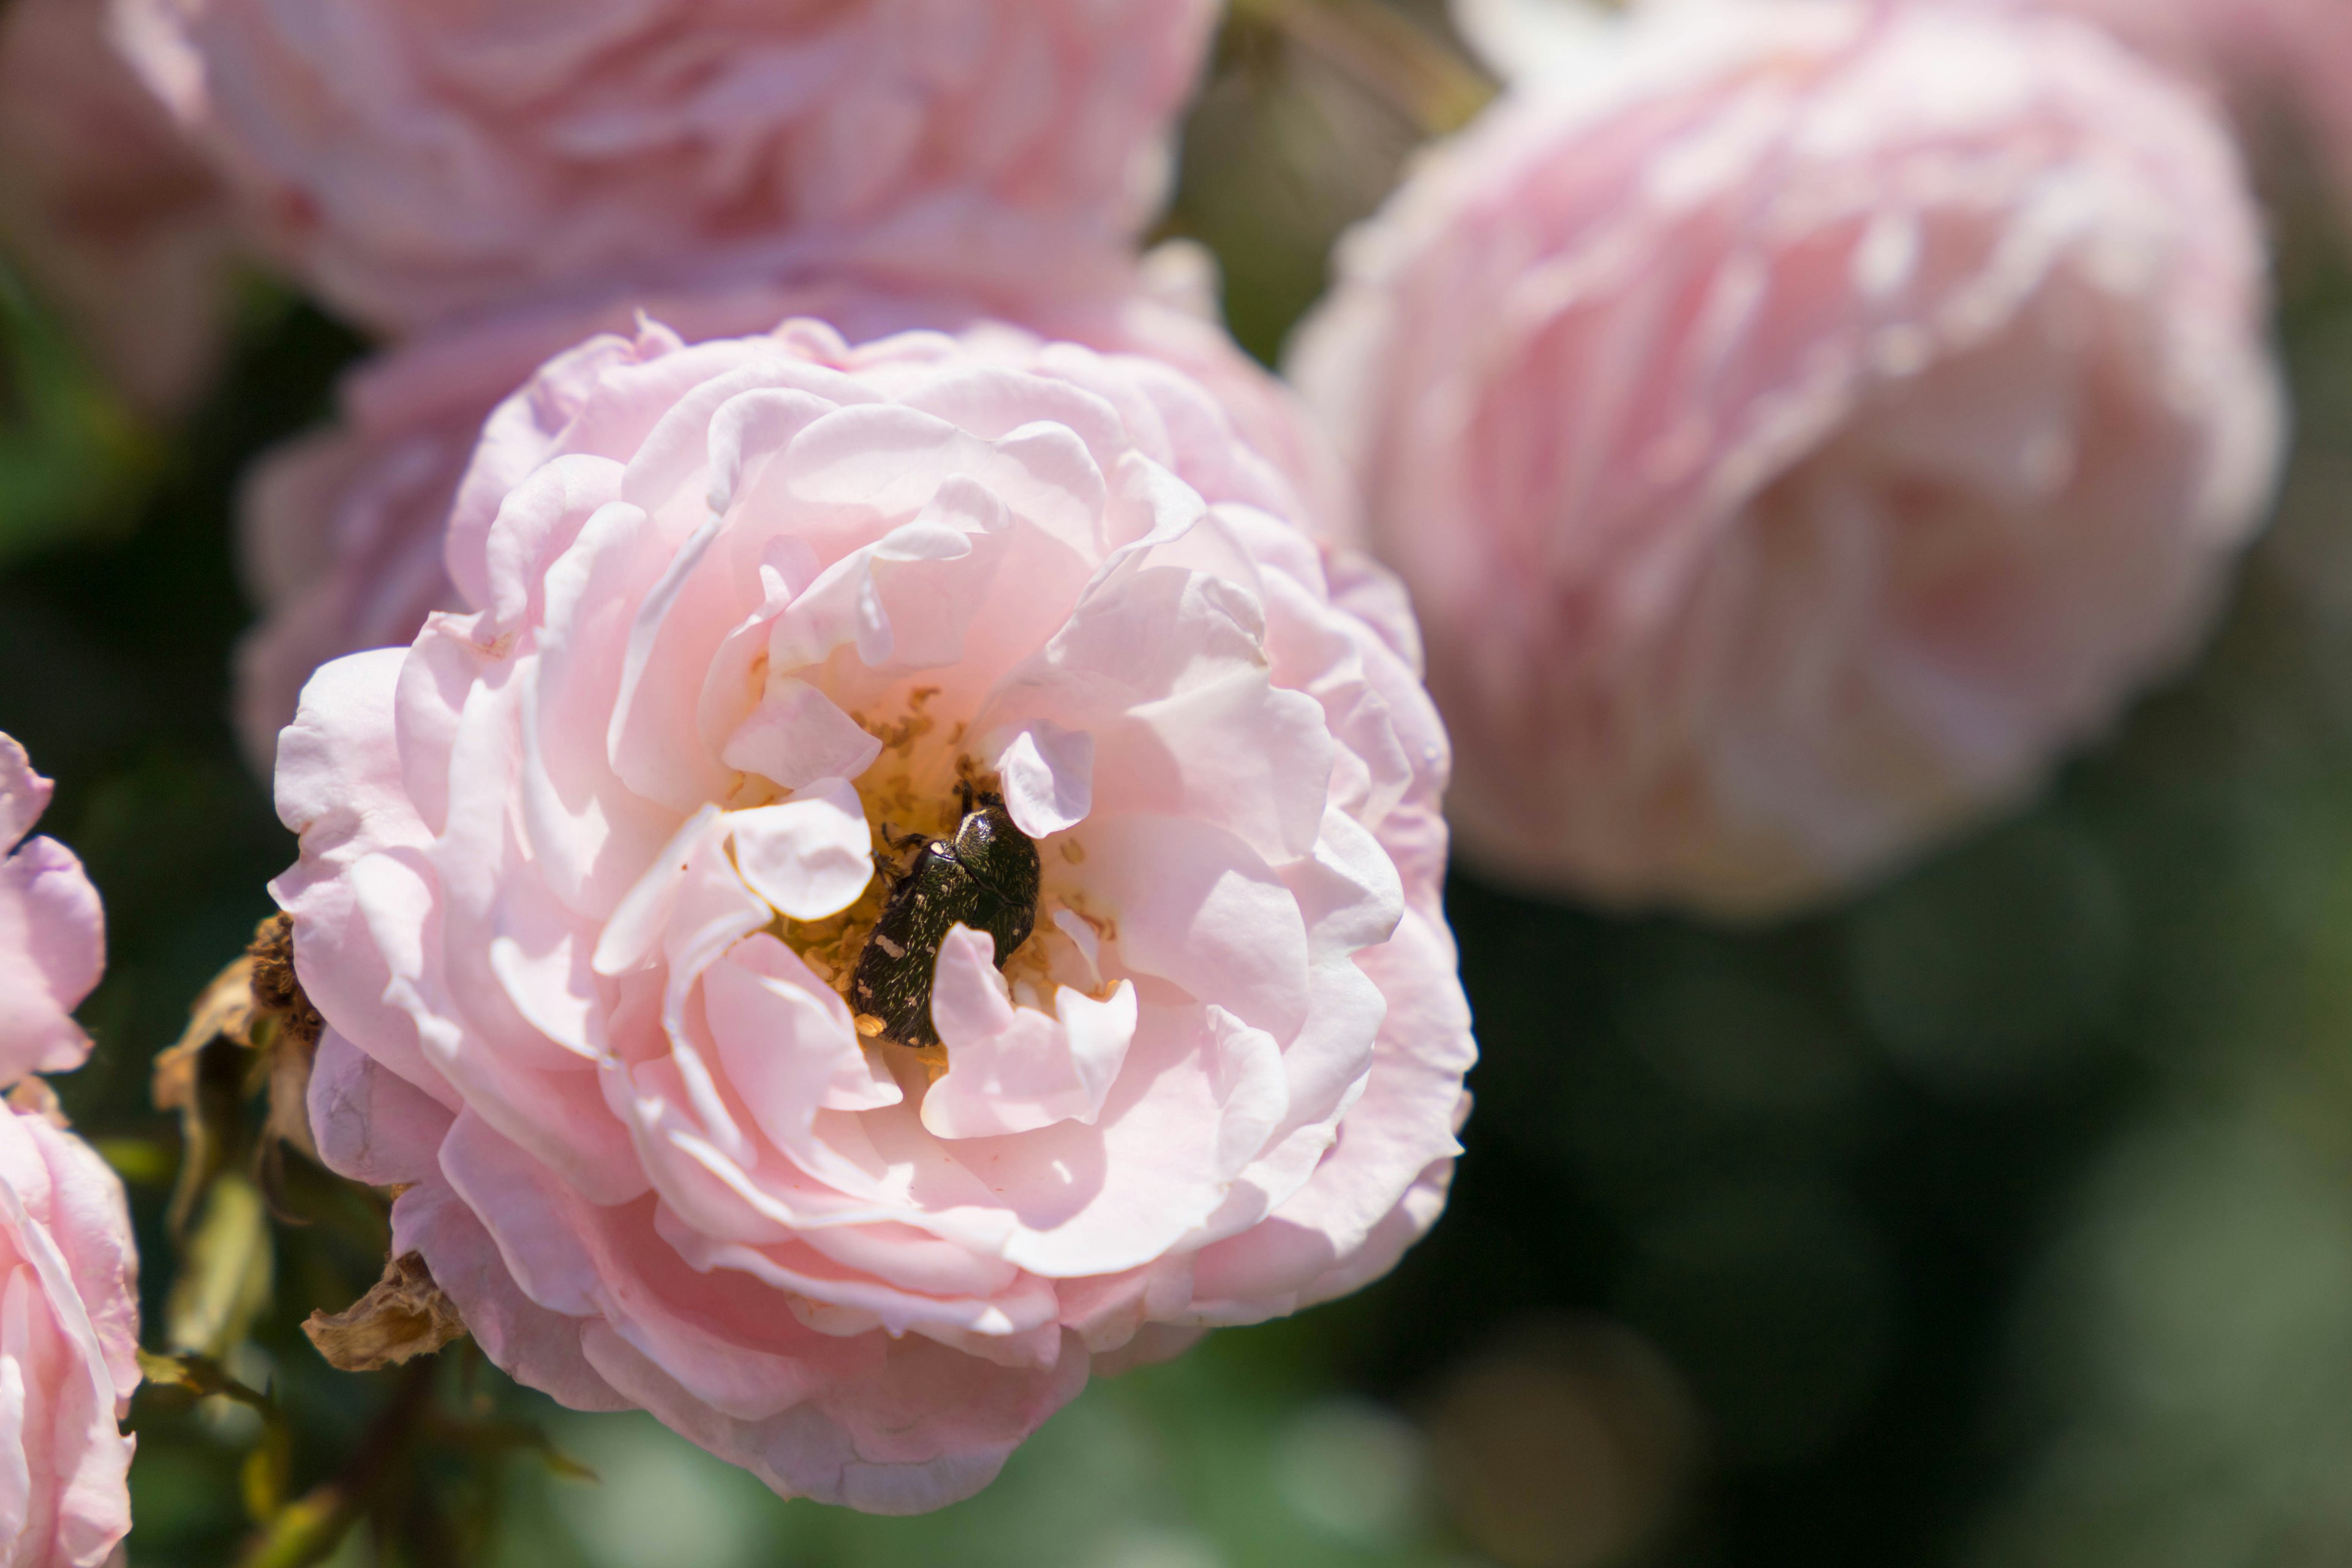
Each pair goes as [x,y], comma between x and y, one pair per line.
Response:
[1014,1069]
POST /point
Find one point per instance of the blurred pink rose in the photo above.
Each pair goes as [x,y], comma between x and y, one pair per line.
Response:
[68,1348]
[415,159]
[342,529]
[2283,64]
[1798,426]
[584,876]
[110,214]
[52,934]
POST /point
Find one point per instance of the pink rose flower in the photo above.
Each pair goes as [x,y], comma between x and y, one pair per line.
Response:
[585,876]
[68,1348]
[342,529]
[2272,60]
[1796,428]
[109,213]
[52,933]
[413,159]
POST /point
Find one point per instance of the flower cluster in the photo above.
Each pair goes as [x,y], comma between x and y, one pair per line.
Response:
[998,521]
[870,846]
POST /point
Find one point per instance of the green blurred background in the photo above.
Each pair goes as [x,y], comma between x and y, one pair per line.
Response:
[2000,1219]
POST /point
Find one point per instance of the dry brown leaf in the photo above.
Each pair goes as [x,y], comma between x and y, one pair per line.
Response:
[203,1077]
[251,1030]
[293,1036]
[405,1316]
[289,1099]
[275,989]
[224,1011]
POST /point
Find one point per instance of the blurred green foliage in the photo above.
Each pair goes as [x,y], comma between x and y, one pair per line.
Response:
[72,460]
[2001,1220]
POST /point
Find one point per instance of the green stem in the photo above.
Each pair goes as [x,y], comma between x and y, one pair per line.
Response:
[308,1530]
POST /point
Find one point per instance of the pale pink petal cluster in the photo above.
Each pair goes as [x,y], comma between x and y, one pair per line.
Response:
[2281,65]
[584,874]
[68,1348]
[52,933]
[1796,428]
[416,159]
[342,529]
[107,210]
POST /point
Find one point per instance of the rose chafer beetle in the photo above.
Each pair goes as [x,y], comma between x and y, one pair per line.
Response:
[985,877]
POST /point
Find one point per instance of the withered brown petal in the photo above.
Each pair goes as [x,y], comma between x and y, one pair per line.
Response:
[404,1317]
[224,1011]
[276,990]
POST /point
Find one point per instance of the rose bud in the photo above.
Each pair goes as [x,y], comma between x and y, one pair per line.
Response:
[606,888]
[69,1347]
[52,933]
[110,214]
[412,159]
[1797,426]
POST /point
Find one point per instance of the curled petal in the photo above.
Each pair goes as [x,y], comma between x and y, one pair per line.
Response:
[1013,1070]
[1048,774]
[797,736]
[809,858]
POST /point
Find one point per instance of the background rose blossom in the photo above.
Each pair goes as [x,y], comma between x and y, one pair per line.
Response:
[106,208]
[414,159]
[583,876]
[68,1348]
[52,933]
[2283,64]
[1797,430]
[342,530]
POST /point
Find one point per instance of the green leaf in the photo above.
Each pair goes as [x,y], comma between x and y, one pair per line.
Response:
[305,1532]
[139,1161]
[226,1276]
[203,1377]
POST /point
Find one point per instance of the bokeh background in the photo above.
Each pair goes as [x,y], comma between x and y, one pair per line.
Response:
[1999,1219]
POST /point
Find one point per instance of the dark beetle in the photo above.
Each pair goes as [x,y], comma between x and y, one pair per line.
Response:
[985,878]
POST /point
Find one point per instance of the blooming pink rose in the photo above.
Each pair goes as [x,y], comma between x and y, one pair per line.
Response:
[342,529]
[1798,426]
[104,205]
[68,1348]
[418,158]
[585,875]
[52,933]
